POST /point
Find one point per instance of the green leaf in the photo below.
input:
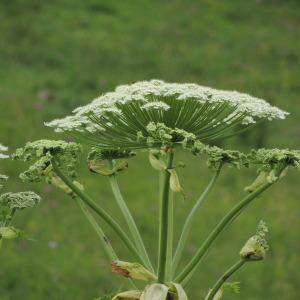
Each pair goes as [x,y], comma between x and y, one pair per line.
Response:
[155,291]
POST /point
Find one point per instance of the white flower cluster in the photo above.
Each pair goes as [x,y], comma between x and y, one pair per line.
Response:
[3,149]
[151,94]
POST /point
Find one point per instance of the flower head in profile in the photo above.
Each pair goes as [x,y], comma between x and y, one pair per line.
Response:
[156,113]
[42,152]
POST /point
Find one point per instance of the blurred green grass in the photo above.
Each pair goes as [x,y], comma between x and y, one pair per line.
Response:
[57,55]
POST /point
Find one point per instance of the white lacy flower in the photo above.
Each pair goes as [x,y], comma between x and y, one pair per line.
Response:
[206,112]
[3,149]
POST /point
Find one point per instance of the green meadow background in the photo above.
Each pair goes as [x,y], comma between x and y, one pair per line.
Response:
[56,55]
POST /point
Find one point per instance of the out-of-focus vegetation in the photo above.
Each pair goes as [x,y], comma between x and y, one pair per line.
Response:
[57,55]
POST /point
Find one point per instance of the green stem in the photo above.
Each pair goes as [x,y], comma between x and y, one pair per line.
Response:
[99,210]
[224,278]
[130,221]
[8,222]
[164,222]
[104,240]
[189,221]
[169,262]
[193,264]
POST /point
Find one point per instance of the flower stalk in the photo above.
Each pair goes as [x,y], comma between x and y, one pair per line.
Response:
[189,220]
[224,278]
[129,220]
[235,211]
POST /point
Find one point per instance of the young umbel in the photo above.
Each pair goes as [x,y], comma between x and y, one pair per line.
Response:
[10,204]
[161,118]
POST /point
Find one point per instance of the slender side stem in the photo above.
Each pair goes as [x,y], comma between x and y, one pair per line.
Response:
[99,210]
[193,264]
[224,278]
[130,221]
[104,240]
[189,221]
[164,222]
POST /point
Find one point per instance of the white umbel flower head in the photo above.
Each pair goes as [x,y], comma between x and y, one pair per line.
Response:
[121,119]
[3,149]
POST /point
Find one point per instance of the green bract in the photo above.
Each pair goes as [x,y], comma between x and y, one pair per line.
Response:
[153,113]
[65,154]
[256,247]
[19,200]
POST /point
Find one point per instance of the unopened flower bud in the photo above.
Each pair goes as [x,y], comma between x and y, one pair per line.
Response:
[132,270]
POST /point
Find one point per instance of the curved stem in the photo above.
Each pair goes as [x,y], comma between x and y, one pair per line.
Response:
[193,264]
[224,278]
[104,240]
[99,210]
[164,221]
[189,221]
[130,221]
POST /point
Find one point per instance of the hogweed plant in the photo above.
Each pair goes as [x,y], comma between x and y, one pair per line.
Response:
[161,118]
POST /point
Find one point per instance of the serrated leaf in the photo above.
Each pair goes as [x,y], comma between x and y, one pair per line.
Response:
[155,291]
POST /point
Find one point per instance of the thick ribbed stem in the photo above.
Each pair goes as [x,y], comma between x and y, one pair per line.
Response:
[164,221]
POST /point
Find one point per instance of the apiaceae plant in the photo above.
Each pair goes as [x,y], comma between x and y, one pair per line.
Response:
[161,118]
